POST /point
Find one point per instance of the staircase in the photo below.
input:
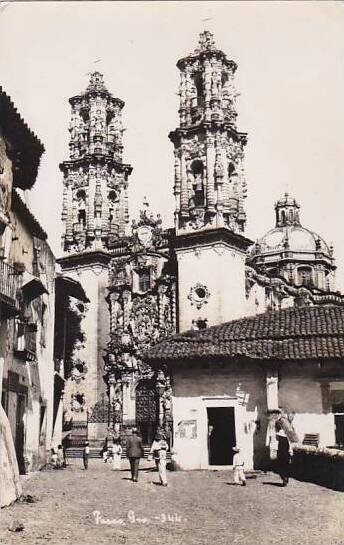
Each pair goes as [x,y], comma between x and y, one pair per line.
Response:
[95,452]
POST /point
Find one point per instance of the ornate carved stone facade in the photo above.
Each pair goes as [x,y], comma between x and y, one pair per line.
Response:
[209,178]
[142,303]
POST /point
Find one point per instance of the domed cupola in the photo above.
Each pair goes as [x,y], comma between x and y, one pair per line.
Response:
[293,252]
[287,211]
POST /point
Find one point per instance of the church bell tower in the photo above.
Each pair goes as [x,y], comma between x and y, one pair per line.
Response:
[209,190]
[95,217]
[95,199]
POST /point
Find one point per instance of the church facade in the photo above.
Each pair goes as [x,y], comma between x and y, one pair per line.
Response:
[145,283]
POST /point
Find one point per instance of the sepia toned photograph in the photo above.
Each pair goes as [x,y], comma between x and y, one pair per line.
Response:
[172,272]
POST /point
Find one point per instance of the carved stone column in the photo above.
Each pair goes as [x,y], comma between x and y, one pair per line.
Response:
[160,388]
[219,176]
[177,185]
[112,384]
[184,197]
[210,154]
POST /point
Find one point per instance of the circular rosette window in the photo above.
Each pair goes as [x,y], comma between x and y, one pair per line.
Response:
[199,295]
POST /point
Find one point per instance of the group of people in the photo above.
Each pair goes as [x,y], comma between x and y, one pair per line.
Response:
[112,453]
[58,457]
[284,456]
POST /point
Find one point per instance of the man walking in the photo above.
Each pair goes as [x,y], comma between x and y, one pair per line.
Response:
[134,453]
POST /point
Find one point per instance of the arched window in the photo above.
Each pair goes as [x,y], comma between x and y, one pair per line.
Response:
[231,170]
[81,197]
[198,187]
[144,279]
[113,199]
[283,218]
[305,276]
[199,89]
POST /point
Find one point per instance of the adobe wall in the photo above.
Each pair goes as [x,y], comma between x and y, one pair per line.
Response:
[301,391]
[239,386]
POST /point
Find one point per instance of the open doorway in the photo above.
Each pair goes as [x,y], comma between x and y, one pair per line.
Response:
[221,435]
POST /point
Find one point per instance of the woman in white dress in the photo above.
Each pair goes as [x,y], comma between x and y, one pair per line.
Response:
[116,454]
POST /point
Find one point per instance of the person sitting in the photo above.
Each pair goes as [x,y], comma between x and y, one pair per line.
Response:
[53,458]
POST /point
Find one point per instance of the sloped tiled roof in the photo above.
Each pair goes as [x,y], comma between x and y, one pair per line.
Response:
[303,333]
[26,147]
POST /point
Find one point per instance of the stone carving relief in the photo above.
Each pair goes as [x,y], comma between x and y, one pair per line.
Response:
[78,371]
[78,402]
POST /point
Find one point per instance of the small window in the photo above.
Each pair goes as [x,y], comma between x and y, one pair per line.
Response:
[305,276]
[231,170]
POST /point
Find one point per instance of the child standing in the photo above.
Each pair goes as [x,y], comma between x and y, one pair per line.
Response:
[116,454]
[238,467]
[60,457]
[85,454]
[159,450]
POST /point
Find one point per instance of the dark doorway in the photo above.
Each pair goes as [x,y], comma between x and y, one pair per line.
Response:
[147,410]
[339,429]
[221,435]
[20,432]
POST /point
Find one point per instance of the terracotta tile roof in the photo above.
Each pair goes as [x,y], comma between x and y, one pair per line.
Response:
[302,333]
[26,146]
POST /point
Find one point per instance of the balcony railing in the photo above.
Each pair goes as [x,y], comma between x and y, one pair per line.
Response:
[25,345]
[9,283]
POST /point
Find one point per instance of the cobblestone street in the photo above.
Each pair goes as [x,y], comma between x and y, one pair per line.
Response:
[197,507]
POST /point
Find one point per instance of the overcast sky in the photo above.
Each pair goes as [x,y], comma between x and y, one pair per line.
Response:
[290,75]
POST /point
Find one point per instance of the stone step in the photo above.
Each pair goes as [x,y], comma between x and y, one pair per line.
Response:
[95,452]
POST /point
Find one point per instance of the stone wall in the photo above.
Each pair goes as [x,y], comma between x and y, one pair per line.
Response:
[34,376]
[95,325]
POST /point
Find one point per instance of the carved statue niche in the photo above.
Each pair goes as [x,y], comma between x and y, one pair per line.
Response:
[113,203]
[116,310]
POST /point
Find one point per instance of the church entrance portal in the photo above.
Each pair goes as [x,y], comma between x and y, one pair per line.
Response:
[221,435]
[146,410]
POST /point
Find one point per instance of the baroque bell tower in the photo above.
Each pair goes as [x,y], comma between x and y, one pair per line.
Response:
[95,217]
[209,190]
[209,185]
[95,199]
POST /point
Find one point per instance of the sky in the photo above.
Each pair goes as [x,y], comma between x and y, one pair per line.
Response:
[290,76]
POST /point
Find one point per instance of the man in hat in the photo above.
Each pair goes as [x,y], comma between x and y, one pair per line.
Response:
[284,454]
[134,453]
